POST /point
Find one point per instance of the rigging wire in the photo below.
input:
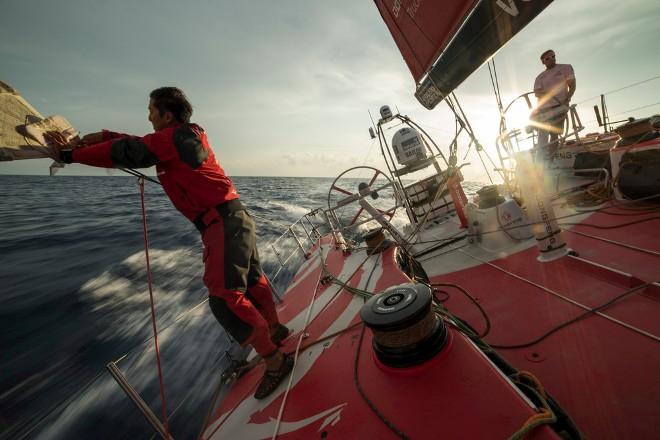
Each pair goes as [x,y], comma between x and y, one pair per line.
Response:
[162,330]
[620,89]
[138,174]
[624,112]
[614,242]
[453,103]
[620,225]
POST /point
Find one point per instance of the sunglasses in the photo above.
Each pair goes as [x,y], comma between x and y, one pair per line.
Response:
[548,57]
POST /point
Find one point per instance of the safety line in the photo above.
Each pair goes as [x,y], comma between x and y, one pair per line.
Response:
[153,308]
[618,243]
[622,88]
[569,300]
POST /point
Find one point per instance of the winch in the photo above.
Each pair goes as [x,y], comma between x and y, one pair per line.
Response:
[406,330]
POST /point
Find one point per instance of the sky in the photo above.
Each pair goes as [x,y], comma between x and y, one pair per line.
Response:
[284,88]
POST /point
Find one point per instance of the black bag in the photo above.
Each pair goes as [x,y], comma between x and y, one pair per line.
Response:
[639,174]
[590,160]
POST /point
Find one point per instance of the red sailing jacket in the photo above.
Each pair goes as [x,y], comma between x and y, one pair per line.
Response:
[185,164]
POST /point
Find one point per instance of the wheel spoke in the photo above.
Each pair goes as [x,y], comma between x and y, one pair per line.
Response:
[357,215]
[373,179]
[336,188]
[388,213]
[352,197]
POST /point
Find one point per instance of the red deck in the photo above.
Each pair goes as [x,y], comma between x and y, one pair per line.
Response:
[443,397]
[602,369]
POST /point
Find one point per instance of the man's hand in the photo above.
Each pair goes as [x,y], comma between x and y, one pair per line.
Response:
[92,138]
[57,140]
[61,146]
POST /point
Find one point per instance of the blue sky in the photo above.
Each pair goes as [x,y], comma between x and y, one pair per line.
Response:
[283,88]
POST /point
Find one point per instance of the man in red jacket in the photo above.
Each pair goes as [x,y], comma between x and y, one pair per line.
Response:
[239,294]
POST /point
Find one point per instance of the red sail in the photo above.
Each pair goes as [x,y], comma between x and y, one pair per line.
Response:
[444,41]
[421,29]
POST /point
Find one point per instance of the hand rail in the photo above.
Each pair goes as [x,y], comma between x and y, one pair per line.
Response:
[312,235]
[137,400]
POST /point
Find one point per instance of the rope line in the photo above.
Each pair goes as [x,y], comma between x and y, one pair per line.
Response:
[356,377]
[297,352]
[565,298]
[473,300]
[545,416]
[369,403]
[153,309]
[574,320]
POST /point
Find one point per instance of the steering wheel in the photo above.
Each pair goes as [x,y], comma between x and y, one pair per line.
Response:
[364,189]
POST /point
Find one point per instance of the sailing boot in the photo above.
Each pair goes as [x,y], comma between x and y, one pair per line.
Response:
[279,333]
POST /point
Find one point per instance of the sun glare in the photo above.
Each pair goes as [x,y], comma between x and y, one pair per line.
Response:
[517,117]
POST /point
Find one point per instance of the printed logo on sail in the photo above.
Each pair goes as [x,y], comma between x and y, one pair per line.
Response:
[411,8]
[509,6]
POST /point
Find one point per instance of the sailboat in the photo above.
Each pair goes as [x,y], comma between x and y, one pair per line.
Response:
[527,312]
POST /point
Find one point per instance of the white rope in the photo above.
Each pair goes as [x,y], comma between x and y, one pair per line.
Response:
[295,356]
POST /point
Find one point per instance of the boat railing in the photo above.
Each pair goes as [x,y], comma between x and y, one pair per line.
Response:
[512,140]
[304,233]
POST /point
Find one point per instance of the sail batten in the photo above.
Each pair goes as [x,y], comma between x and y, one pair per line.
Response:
[444,41]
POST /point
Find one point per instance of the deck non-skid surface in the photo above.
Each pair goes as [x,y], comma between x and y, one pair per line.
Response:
[602,372]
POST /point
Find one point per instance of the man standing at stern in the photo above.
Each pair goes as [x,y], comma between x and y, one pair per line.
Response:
[239,294]
[554,88]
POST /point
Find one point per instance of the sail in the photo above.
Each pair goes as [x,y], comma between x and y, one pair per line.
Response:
[444,41]
[22,128]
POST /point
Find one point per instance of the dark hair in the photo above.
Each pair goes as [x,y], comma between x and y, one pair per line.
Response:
[172,99]
[547,51]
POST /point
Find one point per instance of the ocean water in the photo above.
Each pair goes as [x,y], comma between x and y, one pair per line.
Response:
[74,297]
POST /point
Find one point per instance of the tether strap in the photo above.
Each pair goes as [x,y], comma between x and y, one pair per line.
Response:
[153,309]
[223,210]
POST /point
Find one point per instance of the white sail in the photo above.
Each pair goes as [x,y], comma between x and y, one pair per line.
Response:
[22,128]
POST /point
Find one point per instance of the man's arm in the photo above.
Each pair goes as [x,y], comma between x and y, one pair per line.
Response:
[126,152]
[538,88]
[123,152]
[100,136]
[570,82]
[571,87]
